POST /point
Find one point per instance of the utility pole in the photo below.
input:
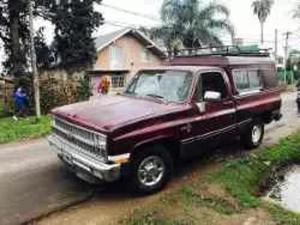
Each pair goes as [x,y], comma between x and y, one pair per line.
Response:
[286,53]
[36,82]
[276,46]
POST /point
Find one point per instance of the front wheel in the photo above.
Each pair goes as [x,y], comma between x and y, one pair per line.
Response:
[254,135]
[151,170]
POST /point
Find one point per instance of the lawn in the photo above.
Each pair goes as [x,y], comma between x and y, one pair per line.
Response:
[2,114]
[226,196]
[23,129]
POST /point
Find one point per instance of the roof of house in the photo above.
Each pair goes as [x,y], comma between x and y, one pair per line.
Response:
[104,41]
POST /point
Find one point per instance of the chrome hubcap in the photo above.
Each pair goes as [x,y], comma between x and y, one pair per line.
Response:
[151,171]
[256,133]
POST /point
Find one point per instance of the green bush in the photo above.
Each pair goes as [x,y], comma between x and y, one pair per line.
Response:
[58,92]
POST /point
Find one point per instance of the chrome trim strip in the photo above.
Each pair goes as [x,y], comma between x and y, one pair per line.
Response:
[207,135]
[212,133]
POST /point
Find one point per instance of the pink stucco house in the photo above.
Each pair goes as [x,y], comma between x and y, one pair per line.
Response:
[120,55]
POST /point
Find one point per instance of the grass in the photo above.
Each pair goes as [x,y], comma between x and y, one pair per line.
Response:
[2,114]
[28,128]
[240,179]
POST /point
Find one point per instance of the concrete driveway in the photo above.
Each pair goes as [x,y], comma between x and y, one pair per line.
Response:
[34,183]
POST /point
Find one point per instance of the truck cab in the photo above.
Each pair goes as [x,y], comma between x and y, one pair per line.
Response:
[167,114]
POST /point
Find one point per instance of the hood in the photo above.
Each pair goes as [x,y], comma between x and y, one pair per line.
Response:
[110,112]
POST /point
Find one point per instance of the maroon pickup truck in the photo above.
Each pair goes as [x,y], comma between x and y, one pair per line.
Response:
[168,114]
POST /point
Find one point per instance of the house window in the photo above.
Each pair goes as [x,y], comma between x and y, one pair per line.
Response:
[247,80]
[116,57]
[118,81]
[146,55]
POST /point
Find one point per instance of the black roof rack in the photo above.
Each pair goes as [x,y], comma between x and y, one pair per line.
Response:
[228,50]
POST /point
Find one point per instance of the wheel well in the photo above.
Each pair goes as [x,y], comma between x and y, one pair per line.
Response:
[267,117]
[171,146]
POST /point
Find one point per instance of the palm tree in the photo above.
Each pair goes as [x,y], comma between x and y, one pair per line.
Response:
[262,8]
[296,13]
[187,24]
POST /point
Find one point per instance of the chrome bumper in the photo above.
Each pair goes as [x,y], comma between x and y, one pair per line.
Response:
[71,155]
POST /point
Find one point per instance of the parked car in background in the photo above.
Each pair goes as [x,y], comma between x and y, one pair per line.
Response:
[168,114]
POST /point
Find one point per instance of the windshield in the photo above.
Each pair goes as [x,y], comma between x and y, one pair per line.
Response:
[166,85]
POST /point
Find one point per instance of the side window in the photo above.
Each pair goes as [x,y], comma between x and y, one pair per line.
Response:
[241,80]
[254,79]
[214,81]
[247,80]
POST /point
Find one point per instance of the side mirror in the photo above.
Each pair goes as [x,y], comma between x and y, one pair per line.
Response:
[212,96]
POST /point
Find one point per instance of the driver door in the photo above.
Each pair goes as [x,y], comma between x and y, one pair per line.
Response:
[217,118]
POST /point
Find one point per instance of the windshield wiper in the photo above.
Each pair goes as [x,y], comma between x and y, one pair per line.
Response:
[155,96]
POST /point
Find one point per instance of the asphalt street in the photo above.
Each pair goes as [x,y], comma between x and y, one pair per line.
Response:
[33,182]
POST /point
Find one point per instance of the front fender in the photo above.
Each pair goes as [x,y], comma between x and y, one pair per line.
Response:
[153,140]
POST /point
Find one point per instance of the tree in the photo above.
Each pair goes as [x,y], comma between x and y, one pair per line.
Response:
[43,51]
[74,23]
[14,34]
[191,24]
[297,11]
[262,8]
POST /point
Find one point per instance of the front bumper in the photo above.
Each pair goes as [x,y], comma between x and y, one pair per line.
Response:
[73,156]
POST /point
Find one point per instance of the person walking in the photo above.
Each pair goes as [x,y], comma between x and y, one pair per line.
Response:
[21,103]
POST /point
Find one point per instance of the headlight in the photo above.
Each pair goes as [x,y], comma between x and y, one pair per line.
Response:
[100,143]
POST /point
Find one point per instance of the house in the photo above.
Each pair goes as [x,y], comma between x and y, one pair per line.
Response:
[120,55]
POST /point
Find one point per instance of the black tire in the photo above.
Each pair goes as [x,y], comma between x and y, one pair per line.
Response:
[158,153]
[248,138]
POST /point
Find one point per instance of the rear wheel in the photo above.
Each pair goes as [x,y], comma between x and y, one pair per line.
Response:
[150,170]
[254,135]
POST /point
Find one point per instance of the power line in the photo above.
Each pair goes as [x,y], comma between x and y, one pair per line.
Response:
[131,12]
[122,24]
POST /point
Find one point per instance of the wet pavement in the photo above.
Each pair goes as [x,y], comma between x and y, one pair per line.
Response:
[286,192]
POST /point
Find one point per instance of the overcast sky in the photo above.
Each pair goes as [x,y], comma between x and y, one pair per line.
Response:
[246,24]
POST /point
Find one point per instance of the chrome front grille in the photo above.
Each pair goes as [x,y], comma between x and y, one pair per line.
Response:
[84,139]
[71,129]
